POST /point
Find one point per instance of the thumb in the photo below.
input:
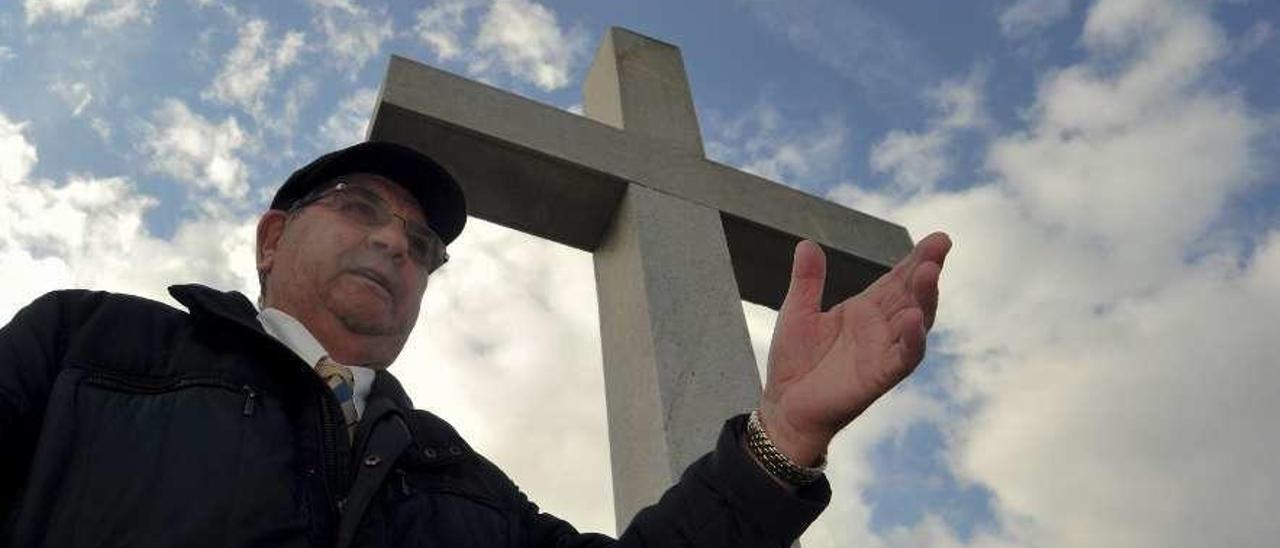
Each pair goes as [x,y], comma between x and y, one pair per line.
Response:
[808,274]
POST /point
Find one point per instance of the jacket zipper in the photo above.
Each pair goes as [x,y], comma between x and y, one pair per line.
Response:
[335,470]
[404,481]
[250,401]
[170,385]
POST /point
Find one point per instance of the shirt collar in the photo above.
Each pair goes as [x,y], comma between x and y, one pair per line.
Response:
[297,337]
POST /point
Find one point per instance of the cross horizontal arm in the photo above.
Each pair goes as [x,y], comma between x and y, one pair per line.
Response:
[557,175]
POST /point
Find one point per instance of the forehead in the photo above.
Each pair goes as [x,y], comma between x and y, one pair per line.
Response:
[400,199]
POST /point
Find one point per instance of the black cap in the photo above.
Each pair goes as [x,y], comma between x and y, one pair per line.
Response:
[437,192]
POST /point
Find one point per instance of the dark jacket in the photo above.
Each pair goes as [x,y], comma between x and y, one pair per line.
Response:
[126,422]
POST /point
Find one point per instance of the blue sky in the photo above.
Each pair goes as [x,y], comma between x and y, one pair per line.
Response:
[1102,371]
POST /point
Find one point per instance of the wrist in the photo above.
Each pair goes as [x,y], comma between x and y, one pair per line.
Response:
[746,448]
[801,448]
[780,466]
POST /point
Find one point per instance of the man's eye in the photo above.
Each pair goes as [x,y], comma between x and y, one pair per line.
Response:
[362,211]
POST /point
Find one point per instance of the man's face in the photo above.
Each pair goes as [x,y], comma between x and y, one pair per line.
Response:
[354,286]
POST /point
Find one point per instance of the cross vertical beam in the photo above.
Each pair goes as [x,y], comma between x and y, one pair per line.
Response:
[677,355]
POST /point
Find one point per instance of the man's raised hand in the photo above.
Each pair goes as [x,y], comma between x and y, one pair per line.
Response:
[826,368]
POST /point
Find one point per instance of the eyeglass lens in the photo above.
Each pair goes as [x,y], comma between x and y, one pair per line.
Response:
[367,208]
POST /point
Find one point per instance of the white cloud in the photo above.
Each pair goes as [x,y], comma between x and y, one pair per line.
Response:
[284,122]
[346,126]
[118,12]
[17,155]
[442,25]
[1123,393]
[6,54]
[1024,17]
[1116,153]
[198,152]
[918,160]
[60,9]
[89,232]
[353,33]
[101,127]
[521,39]
[960,101]
[524,39]
[76,94]
[104,14]
[758,141]
[247,71]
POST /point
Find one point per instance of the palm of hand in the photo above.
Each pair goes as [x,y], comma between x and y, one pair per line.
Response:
[826,368]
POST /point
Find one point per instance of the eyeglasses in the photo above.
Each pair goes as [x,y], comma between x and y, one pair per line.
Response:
[365,207]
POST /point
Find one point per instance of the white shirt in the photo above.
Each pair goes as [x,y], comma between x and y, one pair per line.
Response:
[294,335]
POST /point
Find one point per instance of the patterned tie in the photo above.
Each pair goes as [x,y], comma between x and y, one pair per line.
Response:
[340,379]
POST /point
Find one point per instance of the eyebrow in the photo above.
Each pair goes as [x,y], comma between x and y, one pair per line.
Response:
[402,196]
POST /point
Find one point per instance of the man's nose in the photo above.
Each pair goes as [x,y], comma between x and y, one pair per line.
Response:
[391,238]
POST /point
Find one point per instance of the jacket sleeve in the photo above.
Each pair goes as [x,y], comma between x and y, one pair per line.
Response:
[31,349]
[723,499]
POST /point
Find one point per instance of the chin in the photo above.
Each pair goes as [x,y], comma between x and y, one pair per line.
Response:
[371,317]
[361,326]
[371,324]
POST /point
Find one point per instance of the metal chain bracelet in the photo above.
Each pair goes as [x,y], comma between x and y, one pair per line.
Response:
[774,461]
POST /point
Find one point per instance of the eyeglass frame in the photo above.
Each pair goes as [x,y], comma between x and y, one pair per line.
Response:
[343,185]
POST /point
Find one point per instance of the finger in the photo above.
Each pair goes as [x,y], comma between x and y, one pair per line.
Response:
[932,254]
[924,289]
[932,249]
[808,274]
[894,281]
[935,245]
[908,325]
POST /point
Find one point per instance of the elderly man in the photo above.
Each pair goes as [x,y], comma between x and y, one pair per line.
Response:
[125,422]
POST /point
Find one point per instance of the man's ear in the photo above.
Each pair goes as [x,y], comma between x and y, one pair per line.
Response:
[270,229]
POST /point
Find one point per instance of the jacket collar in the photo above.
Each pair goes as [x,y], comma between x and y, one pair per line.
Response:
[436,440]
[230,306]
[233,310]
[385,385]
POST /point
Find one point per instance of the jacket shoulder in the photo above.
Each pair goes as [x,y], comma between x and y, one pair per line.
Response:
[67,307]
[82,299]
[63,301]
[96,327]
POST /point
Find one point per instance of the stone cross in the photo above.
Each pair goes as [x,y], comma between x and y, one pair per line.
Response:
[678,240]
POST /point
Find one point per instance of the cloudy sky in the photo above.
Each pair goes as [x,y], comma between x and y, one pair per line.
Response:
[1103,369]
